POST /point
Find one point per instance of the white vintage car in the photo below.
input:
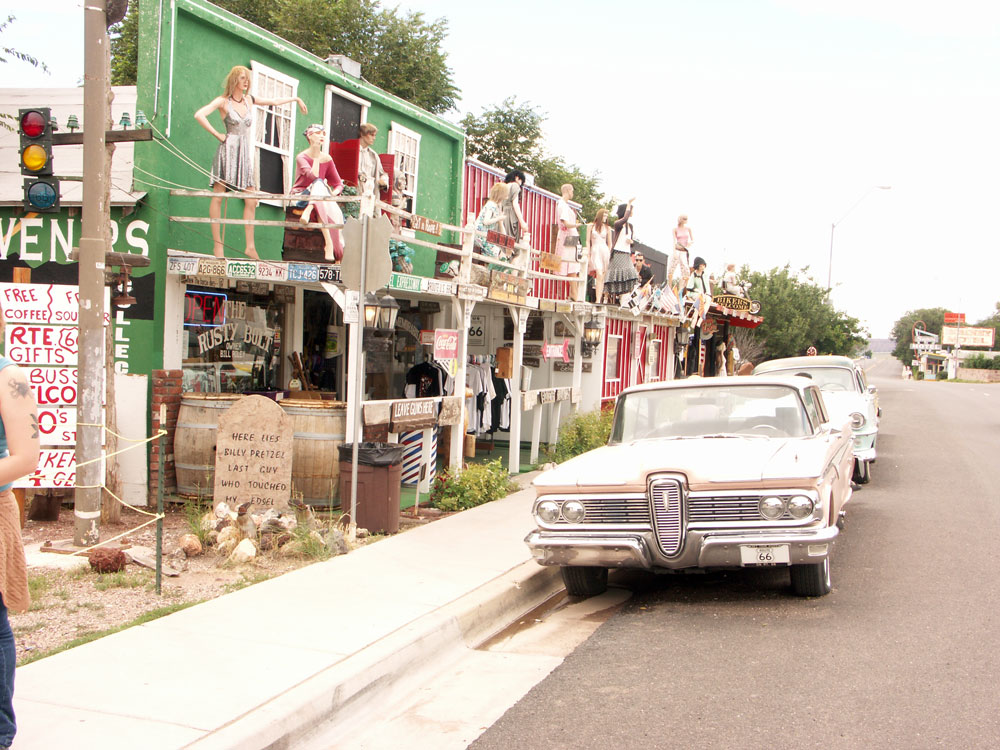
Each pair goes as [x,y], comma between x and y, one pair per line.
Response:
[701,473]
[847,395]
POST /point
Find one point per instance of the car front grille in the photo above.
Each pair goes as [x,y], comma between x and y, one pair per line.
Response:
[712,509]
[666,499]
[617,510]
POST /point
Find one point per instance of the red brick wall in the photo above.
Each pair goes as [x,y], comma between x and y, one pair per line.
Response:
[166,390]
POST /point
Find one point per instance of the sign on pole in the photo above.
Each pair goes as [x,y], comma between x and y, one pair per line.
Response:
[968,336]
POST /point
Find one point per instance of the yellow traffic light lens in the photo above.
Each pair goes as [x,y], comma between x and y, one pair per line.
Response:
[34,157]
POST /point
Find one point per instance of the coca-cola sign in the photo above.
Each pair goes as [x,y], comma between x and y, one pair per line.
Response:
[445,344]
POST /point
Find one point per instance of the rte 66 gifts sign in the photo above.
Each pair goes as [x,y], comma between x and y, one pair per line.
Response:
[40,335]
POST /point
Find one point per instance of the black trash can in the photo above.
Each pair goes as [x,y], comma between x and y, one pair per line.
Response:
[380,468]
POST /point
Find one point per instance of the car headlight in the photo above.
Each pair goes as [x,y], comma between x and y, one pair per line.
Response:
[573,511]
[772,507]
[800,506]
[857,420]
[548,511]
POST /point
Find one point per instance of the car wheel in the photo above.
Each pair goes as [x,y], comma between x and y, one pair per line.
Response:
[862,472]
[585,580]
[811,580]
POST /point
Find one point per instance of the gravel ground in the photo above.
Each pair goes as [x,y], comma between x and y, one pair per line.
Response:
[67,605]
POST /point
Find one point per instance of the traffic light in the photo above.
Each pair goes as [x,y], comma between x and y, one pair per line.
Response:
[41,189]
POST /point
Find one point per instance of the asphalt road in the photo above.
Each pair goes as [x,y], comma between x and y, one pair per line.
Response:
[904,653]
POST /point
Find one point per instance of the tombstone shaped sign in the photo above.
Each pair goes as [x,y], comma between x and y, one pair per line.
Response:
[253,455]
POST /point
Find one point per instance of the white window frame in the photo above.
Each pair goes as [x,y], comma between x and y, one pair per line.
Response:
[397,133]
[328,107]
[653,374]
[285,110]
[607,357]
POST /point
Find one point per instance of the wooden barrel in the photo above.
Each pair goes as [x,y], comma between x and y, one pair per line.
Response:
[194,441]
[318,427]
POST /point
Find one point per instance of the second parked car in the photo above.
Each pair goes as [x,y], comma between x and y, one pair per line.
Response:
[847,396]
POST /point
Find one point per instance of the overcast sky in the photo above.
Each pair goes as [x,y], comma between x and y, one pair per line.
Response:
[763,120]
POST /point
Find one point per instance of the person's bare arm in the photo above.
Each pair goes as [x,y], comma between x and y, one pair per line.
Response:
[202,117]
[279,102]
[20,420]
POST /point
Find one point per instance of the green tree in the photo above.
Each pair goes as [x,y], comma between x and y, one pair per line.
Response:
[125,47]
[398,52]
[798,314]
[509,136]
[902,330]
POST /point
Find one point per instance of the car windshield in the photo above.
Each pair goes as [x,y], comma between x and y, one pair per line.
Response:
[744,410]
[827,378]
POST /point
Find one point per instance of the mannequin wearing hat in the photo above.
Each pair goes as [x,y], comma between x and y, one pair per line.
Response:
[317,176]
[698,282]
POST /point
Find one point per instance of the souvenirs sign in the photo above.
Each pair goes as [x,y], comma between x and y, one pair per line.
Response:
[423,224]
[413,414]
[253,455]
[52,304]
[732,301]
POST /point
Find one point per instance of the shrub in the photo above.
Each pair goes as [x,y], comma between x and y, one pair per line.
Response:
[580,433]
[920,374]
[942,375]
[982,362]
[477,484]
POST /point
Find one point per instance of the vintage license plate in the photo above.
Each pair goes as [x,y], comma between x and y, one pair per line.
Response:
[764,554]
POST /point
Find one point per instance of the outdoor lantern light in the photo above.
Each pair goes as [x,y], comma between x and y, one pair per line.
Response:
[73,124]
[388,309]
[371,310]
[591,336]
[140,119]
[126,121]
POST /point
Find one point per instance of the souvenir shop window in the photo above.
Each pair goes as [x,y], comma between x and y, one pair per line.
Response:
[232,341]
[612,352]
[275,126]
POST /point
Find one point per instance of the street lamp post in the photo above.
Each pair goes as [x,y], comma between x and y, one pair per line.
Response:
[833,226]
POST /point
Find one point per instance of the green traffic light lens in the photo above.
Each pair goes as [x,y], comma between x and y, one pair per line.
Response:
[34,157]
[32,124]
[41,195]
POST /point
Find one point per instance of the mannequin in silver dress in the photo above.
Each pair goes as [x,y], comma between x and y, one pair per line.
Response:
[234,165]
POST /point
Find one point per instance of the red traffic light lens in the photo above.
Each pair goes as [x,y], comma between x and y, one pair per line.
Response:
[33,124]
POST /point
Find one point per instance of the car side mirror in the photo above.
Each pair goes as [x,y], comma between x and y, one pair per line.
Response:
[872,390]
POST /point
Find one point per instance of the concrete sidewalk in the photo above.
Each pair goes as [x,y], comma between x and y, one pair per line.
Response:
[262,667]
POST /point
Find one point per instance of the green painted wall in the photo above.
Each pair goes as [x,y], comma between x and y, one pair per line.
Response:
[184,57]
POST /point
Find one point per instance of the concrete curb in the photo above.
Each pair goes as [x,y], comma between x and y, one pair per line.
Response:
[354,691]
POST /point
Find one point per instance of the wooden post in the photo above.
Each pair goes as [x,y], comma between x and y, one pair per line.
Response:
[536,429]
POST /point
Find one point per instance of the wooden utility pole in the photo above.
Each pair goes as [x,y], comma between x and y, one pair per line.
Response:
[93,246]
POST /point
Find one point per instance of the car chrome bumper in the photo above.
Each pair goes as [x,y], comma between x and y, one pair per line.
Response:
[702,549]
[864,446]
